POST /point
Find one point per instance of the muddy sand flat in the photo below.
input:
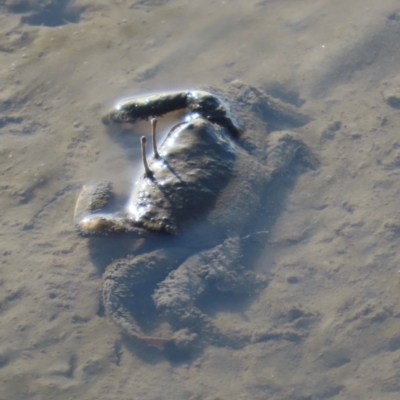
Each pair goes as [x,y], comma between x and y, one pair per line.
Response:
[329,318]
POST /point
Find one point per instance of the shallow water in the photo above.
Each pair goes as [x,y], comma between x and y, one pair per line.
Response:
[330,314]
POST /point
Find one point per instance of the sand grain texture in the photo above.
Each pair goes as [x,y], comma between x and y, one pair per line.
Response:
[327,326]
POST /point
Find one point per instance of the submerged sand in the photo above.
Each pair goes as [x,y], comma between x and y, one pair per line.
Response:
[330,314]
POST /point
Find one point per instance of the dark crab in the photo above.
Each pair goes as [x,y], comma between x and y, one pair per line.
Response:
[200,191]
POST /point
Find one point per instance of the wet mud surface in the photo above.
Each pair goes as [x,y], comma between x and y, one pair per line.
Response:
[327,325]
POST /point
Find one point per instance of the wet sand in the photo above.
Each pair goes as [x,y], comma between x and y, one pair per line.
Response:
[330,315]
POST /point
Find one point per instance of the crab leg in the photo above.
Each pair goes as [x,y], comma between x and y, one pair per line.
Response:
[199,102]
[139,108]
[122,277]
